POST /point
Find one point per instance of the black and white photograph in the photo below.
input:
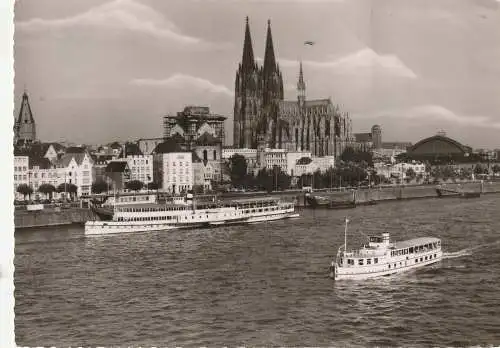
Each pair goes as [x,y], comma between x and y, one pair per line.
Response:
[252,173]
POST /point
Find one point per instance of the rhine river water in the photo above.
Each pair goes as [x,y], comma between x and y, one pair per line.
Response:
[263,285]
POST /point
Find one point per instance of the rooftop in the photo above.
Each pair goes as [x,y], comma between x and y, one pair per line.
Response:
[168,146]
[116,167]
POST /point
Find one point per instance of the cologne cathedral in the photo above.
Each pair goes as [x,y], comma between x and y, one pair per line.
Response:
[263,118]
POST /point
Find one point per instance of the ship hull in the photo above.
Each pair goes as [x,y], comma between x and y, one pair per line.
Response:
[327,203]
[355,273]
[121,227]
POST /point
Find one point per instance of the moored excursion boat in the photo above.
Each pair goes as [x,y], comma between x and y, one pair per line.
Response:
[381,257]
[157,217]
[104,208]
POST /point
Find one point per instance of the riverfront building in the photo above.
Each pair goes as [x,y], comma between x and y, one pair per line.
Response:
[440,149]
[173,167]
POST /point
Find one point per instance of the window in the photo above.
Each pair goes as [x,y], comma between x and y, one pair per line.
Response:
[215,155]
[375,260]
[368,261]
[360,262]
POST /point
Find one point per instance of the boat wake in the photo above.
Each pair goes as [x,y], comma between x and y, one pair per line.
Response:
[460,253]
[469,251]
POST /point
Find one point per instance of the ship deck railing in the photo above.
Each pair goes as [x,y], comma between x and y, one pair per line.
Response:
[151,207]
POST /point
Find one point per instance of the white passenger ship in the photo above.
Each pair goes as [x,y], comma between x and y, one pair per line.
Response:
[145,217]
[381,257]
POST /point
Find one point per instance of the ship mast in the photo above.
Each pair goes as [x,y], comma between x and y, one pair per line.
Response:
[345,234]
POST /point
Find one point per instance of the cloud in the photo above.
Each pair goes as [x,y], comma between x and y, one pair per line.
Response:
[117,14]
[435,113]
[181,81]
[354,63]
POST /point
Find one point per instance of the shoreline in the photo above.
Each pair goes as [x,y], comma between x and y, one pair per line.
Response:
[362,197]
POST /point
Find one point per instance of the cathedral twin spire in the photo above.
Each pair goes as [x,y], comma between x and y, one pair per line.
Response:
[269,58]
[258,93]
[248,60]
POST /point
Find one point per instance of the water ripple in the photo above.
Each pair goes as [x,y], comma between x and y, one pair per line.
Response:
[263,285]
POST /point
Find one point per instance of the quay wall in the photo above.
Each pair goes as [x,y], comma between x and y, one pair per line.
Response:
[408,192]
[26,219]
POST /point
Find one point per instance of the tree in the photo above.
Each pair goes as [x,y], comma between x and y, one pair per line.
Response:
[351,155]
[419,177]
[274,179]
[496,169]
[238,165]
[99,187]
[479,169]
[152,186]
[281,179]
[134,185]
[410,174]
[264,180]
[68,188]
[47,190]
[448,173]
[25,190]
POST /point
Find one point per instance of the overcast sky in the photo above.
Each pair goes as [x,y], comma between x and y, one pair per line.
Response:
[99,70]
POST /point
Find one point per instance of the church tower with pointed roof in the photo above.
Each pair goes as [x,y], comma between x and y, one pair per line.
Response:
[247,97]
[272,94]
[25,127]
[301,88]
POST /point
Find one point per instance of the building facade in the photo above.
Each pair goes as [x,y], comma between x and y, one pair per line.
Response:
[76,168]
[34,169]
[21,173]
[117,173]
[203,174]
[141,168]
[175,171]
[140,164]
